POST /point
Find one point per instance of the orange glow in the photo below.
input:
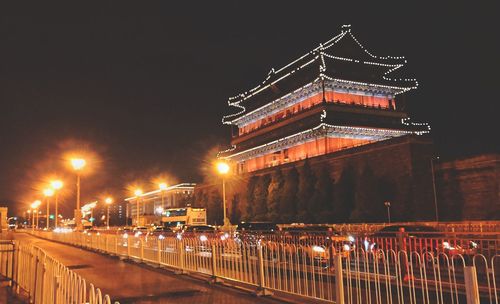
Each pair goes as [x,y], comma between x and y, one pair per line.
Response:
[138,192]
[108,200]
[56,184]
[309,149]
[48,192]
[36,204]
[78,163]
[330,96]
[162,186]
[222,168]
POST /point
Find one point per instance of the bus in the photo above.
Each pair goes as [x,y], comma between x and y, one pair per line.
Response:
[175,217]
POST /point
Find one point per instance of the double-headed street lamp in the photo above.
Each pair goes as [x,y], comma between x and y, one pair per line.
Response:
[48,193]
[78,164]
[223,169]
[108,202]
[56,185]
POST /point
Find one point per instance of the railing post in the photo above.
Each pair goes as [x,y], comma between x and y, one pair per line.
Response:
[214,278]
[56,287]
[128,247]
[261,290]
[106,246]
[471,287]
[116,245]
[142,248]
[339,279]
[158,251]
[180,250]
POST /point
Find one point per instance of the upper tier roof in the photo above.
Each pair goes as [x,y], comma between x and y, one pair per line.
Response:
[341,58]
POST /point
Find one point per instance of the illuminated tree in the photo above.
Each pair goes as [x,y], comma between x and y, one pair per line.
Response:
[275,193]
[322,204]
[248,210]
[305,192]
[288,202]
[260,196]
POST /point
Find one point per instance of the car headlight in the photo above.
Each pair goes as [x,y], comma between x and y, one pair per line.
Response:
[318,249]
[351,238]
[347,247]
[473,244]
[161,237]
[125,236]
[203,238]
[179,236]
[446,245]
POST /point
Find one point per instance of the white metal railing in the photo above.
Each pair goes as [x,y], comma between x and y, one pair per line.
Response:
[348,275]
[43,279]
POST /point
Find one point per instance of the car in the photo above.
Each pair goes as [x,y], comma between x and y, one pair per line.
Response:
[160,232]
[203,232]
[418,238]
[140,231]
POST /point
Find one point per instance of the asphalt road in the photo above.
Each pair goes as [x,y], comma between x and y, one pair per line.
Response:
[129,282]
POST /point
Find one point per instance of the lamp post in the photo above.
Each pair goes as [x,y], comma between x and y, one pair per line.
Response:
[163,187]
[388,205]
[48,193]
[56,185]
[78,164]
[35,206]
[434,188]
[137,193]
[108,202]
[223,169]
[30,222]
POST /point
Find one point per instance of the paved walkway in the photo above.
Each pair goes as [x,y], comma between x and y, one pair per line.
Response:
[128,282]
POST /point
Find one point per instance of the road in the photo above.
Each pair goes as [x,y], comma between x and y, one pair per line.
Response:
[129,282]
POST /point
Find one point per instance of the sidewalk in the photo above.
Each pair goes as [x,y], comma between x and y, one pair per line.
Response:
[131,283]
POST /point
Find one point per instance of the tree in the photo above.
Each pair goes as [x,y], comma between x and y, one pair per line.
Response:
[275,193]
[344,195]
[214,207]
[248,210]
[322,204]
[366,198]
[305,192]
[289,199]
[235,209]
[260,197]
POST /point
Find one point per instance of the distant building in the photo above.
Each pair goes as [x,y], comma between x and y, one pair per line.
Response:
[153,204]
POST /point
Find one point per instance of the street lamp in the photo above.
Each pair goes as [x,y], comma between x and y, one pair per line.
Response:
[434,187]
[223,169]
[78,164]
[108,202]
[56,185]
[137,193]
[35,206]
[48,193]
[30,221]
[163,187]
[388,205]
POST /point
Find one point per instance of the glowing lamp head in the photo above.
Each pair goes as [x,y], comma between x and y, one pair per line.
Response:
[138,192]
[108,200]
[222,167]
[162,186]
[78,163]
[48,192]
[56,184]
[36,204]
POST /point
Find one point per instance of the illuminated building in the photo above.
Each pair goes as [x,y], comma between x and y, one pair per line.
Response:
[335,97]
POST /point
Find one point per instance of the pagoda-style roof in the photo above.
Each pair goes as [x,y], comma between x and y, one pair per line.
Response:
[342,60]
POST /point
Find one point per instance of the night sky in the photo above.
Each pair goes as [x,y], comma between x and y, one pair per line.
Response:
[144,86]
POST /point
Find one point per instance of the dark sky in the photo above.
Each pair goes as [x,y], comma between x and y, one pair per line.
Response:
[144,86]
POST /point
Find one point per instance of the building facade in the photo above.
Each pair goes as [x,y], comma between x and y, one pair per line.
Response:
[152,205]
[335,97]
